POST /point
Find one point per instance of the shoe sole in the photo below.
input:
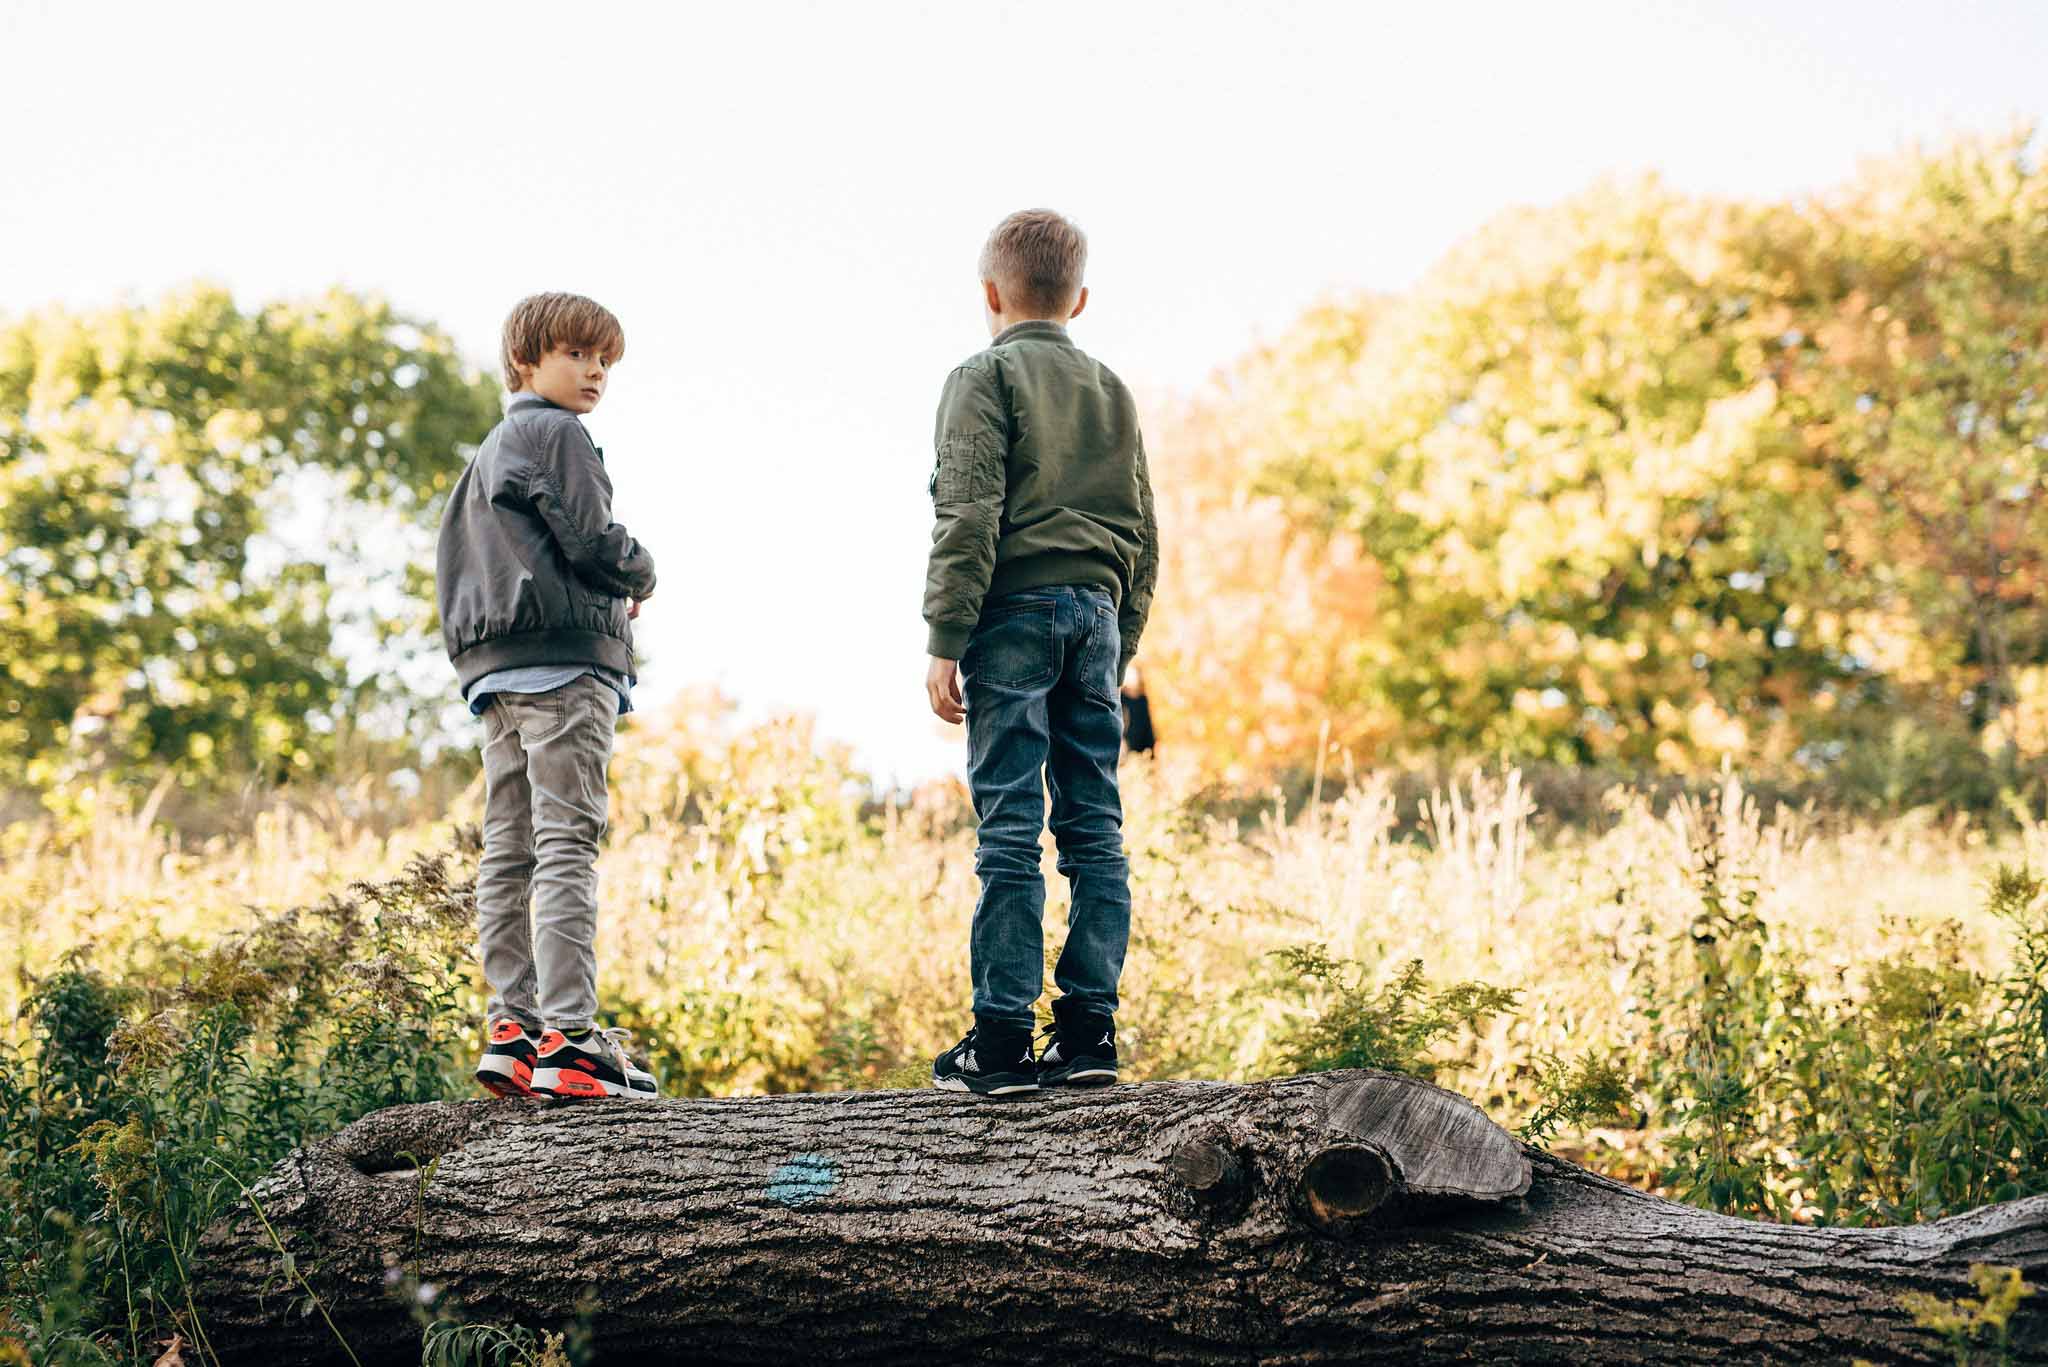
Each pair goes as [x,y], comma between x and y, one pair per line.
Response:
[1086,1077]
[501,1077]
[572,1084]
[961,1084]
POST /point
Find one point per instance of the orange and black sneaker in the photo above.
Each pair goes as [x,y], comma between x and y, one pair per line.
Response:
[506,1069]
[588,1065]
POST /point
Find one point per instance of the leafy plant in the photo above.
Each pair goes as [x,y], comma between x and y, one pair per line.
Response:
[854,1055]
[1966,1321]
[448,1343]
[447,1339]
[1919,1092]
[1575,1093]
[137,1112]
[1730,1005]
[1395,1026]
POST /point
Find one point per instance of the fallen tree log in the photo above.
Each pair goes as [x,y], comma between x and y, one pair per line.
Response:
[1337,1217]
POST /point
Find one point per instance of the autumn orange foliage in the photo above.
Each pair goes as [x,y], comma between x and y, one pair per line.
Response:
[1261,616]
[1641,479]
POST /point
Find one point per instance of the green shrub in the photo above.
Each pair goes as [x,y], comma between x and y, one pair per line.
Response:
[1346,1023]
[1577,1092]
[135,1109]
[1398,1027]
[1918,1091]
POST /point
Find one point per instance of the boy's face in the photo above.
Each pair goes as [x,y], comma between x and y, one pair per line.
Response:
[572,376]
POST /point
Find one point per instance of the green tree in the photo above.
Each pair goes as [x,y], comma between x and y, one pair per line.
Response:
[1922,380]
[1564,453]
[150,613]
[1651,479]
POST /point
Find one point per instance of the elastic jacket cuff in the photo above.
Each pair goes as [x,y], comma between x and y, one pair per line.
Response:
[947,640]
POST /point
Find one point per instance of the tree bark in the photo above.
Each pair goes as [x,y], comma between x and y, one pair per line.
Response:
[1332,1218]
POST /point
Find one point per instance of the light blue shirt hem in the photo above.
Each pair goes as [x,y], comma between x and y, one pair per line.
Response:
[542,679]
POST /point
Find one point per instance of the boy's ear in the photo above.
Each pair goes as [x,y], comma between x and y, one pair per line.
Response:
[992,295]
[1080,302]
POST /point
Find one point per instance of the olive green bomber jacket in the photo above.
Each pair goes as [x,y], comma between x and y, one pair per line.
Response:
[1040,479]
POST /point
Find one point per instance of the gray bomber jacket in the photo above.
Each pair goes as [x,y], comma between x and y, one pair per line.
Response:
[531,569]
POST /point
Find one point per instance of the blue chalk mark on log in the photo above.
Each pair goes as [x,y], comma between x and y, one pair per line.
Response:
[803,1179]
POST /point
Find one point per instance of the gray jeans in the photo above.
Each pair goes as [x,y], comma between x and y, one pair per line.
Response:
[545,797]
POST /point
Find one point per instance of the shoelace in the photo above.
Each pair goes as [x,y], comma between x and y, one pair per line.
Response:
[620,1038]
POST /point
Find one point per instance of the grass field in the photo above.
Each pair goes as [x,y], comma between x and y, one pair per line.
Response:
[1806,1016]
[766,927]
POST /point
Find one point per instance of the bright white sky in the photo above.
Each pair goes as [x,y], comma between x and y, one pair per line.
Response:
[783,202]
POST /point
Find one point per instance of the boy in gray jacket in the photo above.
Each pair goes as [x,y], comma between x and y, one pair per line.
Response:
[538,588]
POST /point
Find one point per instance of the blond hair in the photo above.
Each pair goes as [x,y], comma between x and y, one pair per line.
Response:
[541,322]
[1036,257]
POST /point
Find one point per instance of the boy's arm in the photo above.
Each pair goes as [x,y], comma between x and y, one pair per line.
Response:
[574,496]
[967,498]
[1138,602]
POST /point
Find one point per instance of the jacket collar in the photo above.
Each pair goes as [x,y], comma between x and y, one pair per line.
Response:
[1033,327]
[530,401]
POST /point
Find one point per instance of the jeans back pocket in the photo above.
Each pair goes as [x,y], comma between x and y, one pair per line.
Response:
[1013,649]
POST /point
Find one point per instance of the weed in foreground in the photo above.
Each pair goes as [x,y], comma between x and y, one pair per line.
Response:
[1968,1322]
[1918,1092]
[135,1114]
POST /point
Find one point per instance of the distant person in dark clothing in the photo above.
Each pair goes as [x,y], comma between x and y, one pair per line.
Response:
[1138,738]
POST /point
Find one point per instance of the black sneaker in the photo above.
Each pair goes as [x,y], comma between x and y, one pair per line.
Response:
[988,1063]
[1082,1052]
[590,1065]
[506,1068]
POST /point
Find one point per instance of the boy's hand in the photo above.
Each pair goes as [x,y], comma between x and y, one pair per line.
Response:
[632,608]
[942,683]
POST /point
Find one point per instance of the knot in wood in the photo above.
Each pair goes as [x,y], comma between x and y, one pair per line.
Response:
[1212,1171]
[1344,1183]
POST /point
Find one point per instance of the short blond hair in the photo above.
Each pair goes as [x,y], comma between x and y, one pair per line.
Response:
[541,322]
[1036,257]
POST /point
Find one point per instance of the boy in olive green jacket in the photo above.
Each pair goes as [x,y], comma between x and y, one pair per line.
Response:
[1043,560]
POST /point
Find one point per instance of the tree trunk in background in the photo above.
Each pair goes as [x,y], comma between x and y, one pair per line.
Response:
[1337,1217]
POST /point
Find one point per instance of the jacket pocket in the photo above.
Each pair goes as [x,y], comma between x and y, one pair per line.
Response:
[970,469]
[596,610]
[522,604]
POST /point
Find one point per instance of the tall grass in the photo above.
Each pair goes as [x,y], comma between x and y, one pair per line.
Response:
[1724,1006]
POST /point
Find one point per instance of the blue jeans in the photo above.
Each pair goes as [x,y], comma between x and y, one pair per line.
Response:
[1040,680]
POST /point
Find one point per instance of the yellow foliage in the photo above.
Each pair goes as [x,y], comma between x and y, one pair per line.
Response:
[1967,1318]
[1636,478]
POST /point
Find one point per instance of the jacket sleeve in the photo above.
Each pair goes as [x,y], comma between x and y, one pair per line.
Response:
[1137,605]
[574,496]
[968,488]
